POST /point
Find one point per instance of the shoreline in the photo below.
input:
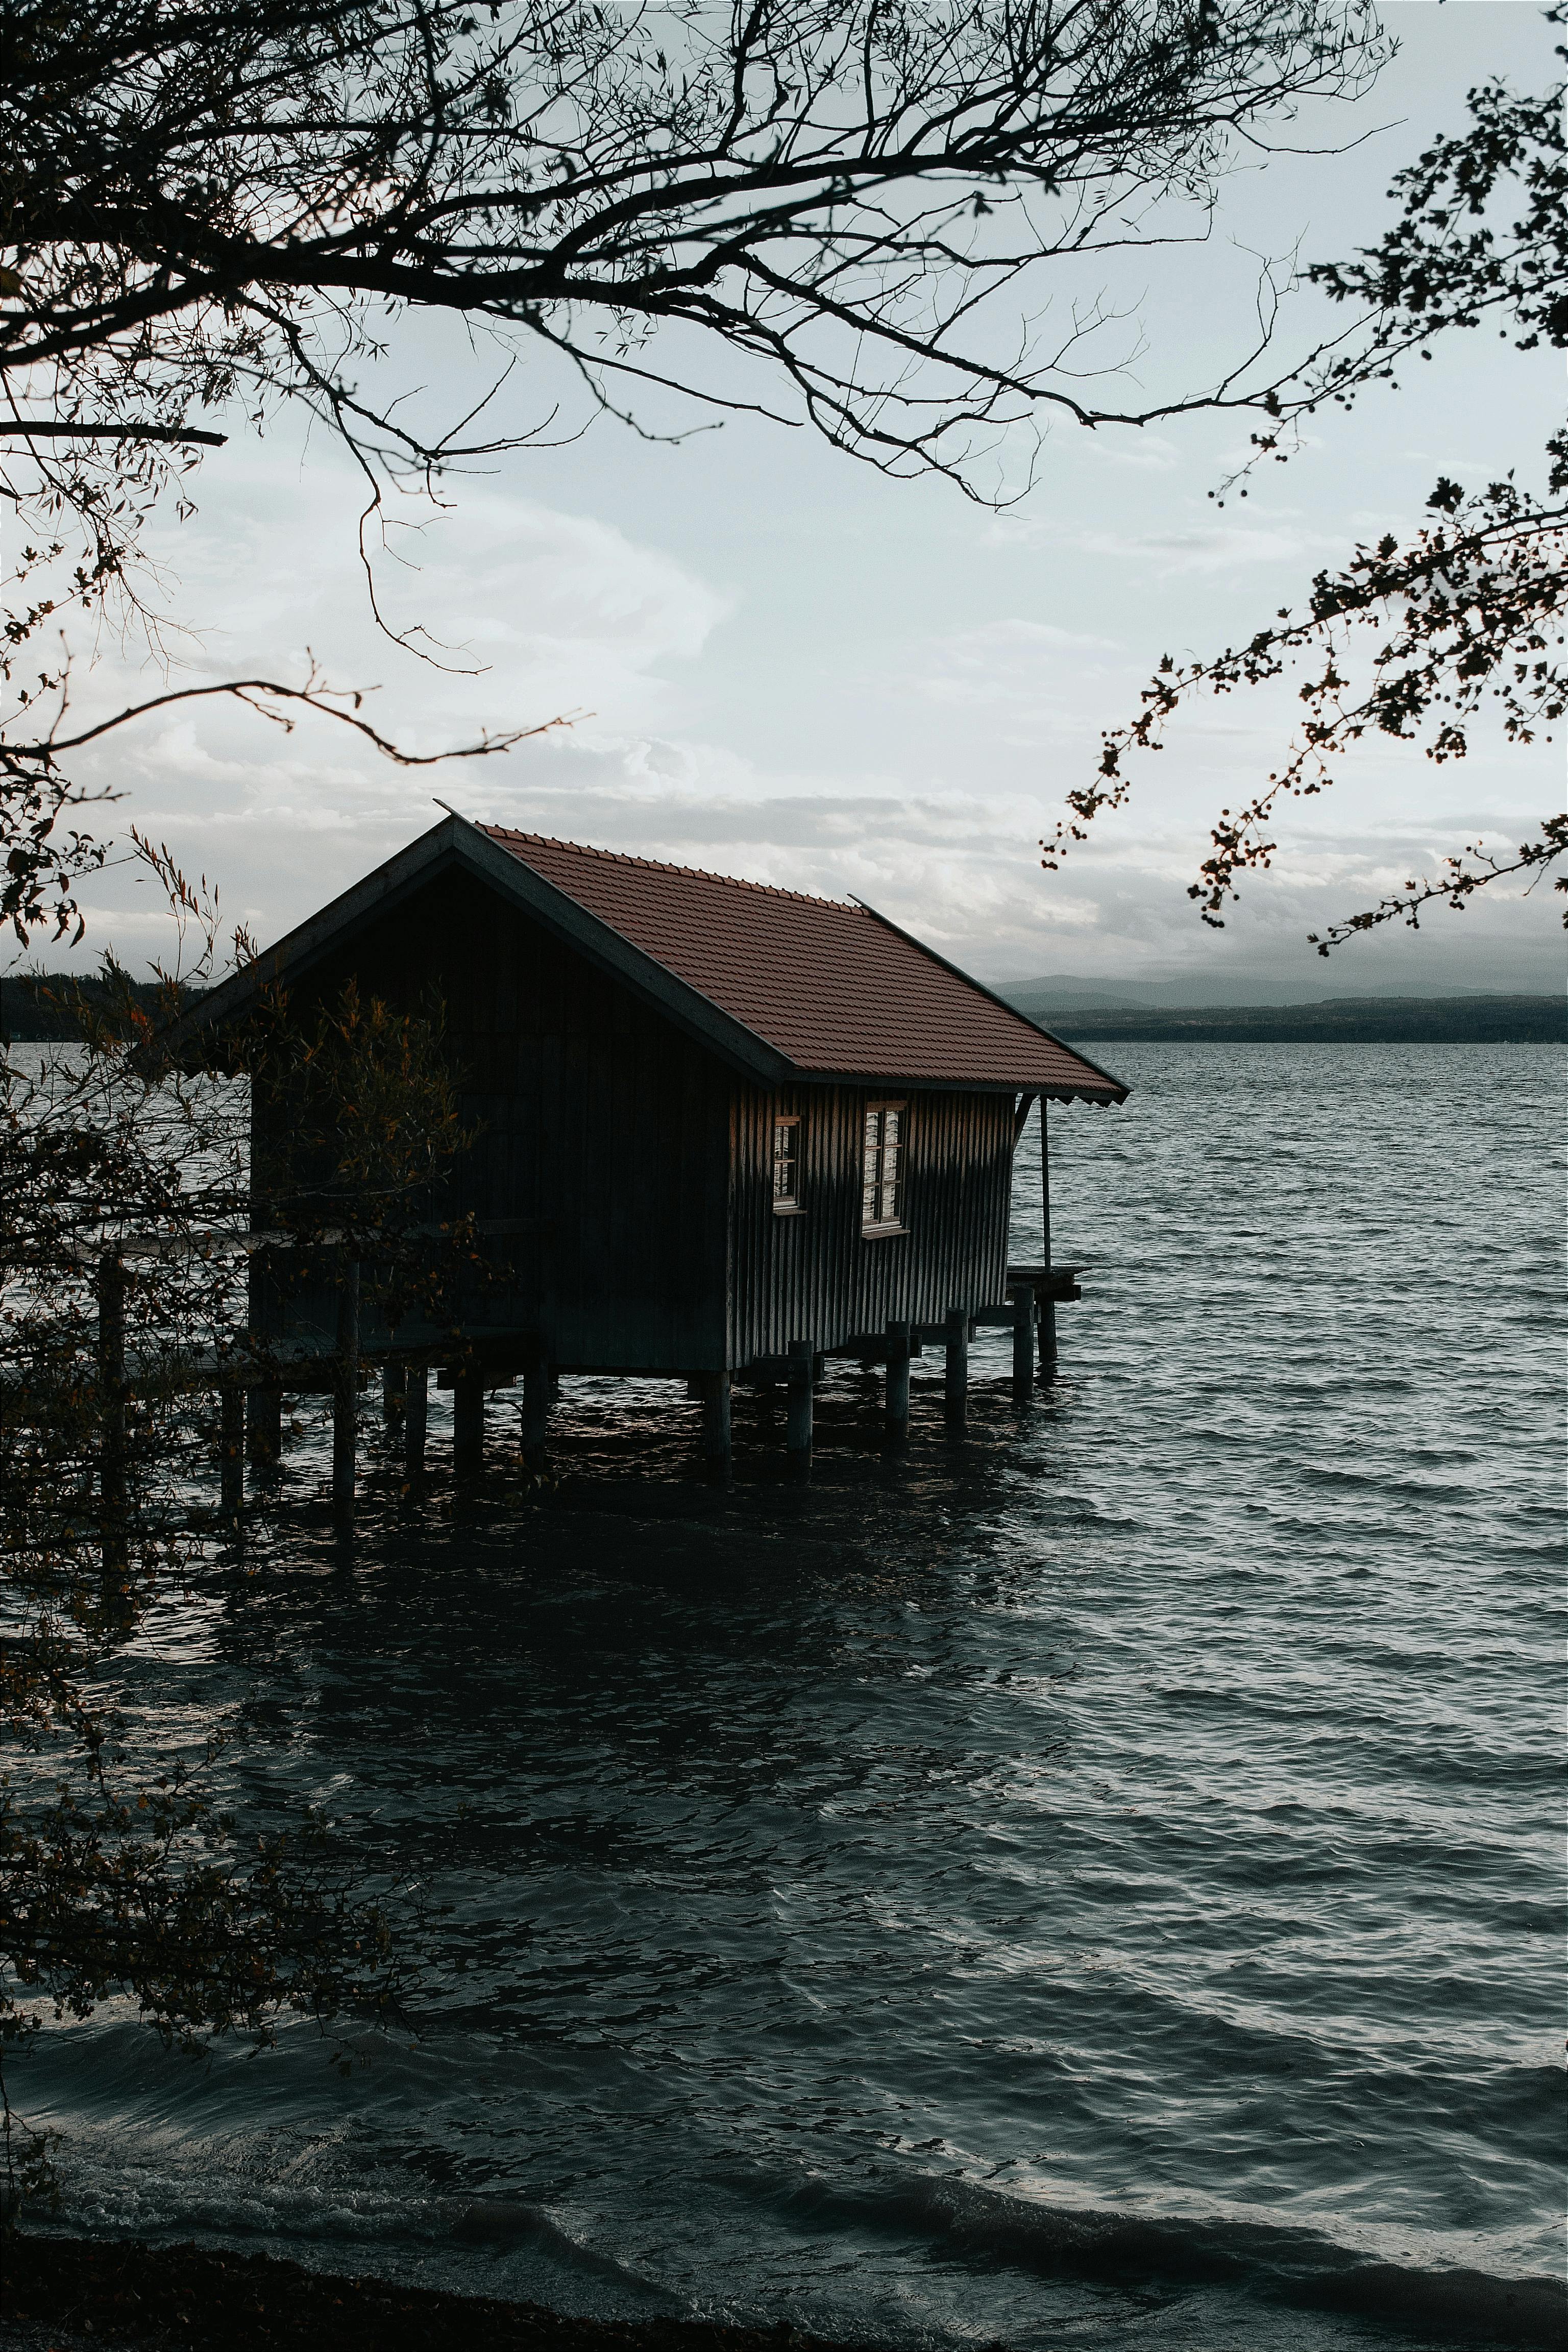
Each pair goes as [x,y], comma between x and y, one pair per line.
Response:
[65,2295]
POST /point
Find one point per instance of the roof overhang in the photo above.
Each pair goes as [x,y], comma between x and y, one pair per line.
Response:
[454,846]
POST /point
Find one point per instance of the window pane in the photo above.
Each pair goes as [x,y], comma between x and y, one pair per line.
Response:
[786,1137]
[881,1167]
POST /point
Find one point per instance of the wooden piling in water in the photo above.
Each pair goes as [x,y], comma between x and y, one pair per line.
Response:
[416,1416]
[394,1389]
[956,1387]
[264,1406]
[1047,1304]
[264,1425]
[345,1392]
[802,1365]
[115,1533]
[1023,1341]
[1048,1326]
[717,1440]
[897,1417]
[231,1451]
[538,1394]
[468,1421]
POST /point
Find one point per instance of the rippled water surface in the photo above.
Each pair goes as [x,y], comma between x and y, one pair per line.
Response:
[1088,1885]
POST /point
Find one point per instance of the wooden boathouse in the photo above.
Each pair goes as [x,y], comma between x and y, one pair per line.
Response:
[725,1132]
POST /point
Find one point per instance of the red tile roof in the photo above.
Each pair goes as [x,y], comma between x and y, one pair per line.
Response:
[834,988]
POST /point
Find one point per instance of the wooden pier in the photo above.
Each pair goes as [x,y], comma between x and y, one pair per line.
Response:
[253,1380]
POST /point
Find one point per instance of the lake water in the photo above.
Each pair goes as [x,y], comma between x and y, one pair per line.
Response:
[1092,1885]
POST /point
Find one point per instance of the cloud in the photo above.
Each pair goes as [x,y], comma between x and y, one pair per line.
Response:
[1029,678]
[1011,640]
[1219,546]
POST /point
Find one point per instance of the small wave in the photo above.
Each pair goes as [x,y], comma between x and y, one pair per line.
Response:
[1269,2261]
[507,2223]
[353,2223]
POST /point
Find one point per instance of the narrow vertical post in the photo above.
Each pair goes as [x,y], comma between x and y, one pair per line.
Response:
[1023,1341]
[1047,1311]
[111,1388]
[264,1407]
[264,1421]
[538,1394]
[468,1421]
[957,1385]
[717,1440]
[345,1392]
[801,1365]
[231,1450]
[898,1408]
[394,1390]
[1047,1304]
[415,1414]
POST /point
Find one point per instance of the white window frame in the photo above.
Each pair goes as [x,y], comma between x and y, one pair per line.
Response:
[788,1204]
[873,1155]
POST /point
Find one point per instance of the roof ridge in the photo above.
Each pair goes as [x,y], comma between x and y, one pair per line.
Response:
[662,865]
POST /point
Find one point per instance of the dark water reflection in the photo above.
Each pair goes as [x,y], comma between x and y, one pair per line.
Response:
[1088,1883]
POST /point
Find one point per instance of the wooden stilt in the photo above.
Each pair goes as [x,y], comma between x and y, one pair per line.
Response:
[468,1424]
[345,1396]
[264,1407]
[1022,1342]
[394,1389]
[111,1388]
[898,1407]
[231,1452]
[957,1387]
[264,1424]
[538,1394]
[1047,1305]
[801,1366]
[717,1443]
[415,1412]
[1047,1311]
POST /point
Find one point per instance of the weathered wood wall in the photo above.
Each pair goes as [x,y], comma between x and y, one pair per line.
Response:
[597,1118]
[816,1276]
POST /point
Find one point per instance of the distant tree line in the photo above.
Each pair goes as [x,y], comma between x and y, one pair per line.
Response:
[1349,1020]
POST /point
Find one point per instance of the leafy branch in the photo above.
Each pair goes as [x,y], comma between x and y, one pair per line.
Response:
[1470,608]
[1471,615]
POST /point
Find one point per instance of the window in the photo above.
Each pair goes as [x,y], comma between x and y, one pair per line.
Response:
[883,1181]
[787,1165]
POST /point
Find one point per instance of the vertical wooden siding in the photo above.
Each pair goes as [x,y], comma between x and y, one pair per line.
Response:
[815,1276]
[596,1118]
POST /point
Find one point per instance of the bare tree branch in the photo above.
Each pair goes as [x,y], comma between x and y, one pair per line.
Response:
[224,203]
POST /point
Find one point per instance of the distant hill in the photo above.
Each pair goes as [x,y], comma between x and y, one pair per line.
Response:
[1348,1020]
[29,1015]
[1219,988]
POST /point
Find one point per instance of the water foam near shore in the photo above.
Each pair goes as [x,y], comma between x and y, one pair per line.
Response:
[1093,1884]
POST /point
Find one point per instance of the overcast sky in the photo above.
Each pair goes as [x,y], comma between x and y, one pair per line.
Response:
[803,674]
